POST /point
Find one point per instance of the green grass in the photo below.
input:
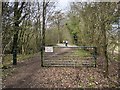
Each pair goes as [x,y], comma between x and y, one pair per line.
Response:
[82,53]
[7,59]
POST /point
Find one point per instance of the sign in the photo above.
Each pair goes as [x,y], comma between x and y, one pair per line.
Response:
[48,49]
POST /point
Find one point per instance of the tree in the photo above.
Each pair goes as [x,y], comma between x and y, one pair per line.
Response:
[46,10]
[17,20]
[57,17]
[7,29]
[93,20]
[43,30]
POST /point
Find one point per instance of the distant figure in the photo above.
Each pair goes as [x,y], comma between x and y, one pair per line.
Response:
[66,43]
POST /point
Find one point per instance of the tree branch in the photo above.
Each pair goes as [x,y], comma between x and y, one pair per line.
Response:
[19,21]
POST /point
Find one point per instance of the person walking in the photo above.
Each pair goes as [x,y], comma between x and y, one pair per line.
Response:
[66,43]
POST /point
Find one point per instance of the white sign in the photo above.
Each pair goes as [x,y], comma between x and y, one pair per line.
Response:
[48,49]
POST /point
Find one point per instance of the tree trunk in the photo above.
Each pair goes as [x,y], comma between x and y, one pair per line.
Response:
[119,48]
[23,51]
[16,27]
[15,39]
[106,61]
[105,50]
[43,33]
[58,32]
[17,20]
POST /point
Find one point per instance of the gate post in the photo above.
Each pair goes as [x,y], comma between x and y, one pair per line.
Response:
[95,55]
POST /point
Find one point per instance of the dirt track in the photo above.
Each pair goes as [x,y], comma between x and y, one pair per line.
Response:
[30,74]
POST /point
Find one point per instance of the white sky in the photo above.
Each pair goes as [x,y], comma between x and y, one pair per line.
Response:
[62,4]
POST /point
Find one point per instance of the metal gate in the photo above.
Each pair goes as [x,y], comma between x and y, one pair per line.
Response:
[70,56]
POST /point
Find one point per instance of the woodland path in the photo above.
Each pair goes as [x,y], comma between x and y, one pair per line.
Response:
[29,74]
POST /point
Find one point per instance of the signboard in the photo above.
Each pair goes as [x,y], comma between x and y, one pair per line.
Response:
[48,49]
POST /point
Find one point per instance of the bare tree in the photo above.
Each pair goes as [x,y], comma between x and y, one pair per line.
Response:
[18,17]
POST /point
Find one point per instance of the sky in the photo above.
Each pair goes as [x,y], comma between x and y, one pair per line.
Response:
[62,4]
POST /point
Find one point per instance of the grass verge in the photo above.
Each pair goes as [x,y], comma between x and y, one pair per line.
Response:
[7,59]
[82,53]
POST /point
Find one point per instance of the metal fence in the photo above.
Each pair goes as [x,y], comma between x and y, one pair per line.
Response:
[70,56]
